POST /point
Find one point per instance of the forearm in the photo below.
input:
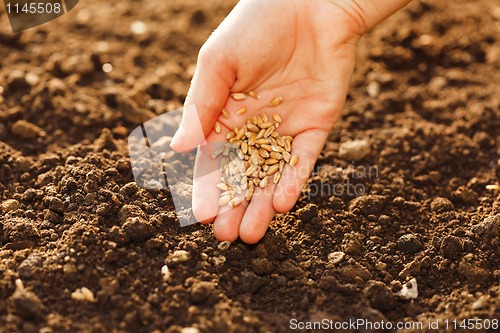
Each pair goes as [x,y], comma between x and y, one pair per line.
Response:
[369,13]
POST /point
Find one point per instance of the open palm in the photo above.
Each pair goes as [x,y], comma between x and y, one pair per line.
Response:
[302,51]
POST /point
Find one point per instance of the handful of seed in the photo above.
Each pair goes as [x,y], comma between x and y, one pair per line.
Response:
[253,155]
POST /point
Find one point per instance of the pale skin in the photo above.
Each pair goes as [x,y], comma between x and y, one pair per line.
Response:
[300,50]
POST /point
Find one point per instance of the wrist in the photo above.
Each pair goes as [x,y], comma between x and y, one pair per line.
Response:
[366,14]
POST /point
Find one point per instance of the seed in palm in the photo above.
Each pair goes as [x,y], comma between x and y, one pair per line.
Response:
[253,156]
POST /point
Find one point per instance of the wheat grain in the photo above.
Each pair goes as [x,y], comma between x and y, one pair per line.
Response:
[239,96]
[276,101]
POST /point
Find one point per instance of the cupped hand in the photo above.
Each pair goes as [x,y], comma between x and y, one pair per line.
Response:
[300,50]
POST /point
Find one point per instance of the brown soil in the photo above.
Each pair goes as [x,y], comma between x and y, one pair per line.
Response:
[72,216]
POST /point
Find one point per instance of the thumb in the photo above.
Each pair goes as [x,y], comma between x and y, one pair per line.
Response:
[207,96]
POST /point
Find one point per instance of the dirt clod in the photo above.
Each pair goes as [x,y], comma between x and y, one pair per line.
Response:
[379,295]
[27,304]
[262,266]
[27,130]
[28,266]
[409,243]
[8,205]
[19,229]
[138,229]
[440,205]
[201,291]
[308,212]
[452,247]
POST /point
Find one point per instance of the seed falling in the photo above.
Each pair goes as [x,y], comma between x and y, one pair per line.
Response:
[217,127]
[276,101]
[225,113]
[239,96]
[254,156]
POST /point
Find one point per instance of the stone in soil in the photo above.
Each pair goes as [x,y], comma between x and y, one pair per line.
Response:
[336,257]
[354,150]
[409,243]
[409,290]
[9,205]
[489,227]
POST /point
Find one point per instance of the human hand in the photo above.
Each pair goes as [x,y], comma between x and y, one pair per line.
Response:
[300,50]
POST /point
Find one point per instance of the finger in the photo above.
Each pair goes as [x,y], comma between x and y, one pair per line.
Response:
[227,222]
[209,91]
[258,215]
[206,176]
[205,180]
[307,146]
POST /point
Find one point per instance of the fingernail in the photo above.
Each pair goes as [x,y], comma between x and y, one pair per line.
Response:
[179,136]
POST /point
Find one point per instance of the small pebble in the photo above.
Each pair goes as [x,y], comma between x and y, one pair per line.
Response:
[190,330]
[354,150]
[480,303]
[336,257]
[180,256]
[409,243]
[83,294]
[107,68]
[437,83]
[138,27]
[373,89]
[218,260]
[88,294]
[78,64]
[9,205]
[165,272]
[409,290]
[32,79]
[489,227]
[223,246]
